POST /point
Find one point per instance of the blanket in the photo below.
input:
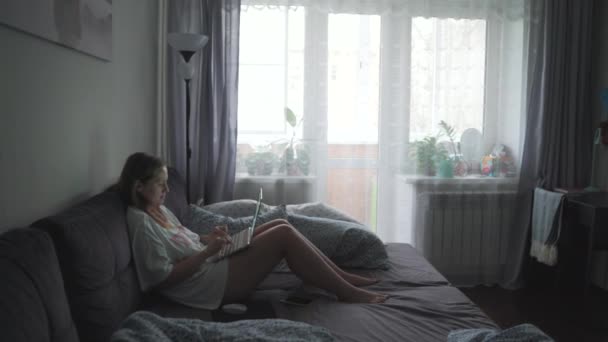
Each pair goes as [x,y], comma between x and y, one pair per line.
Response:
[518,333]
[143,326]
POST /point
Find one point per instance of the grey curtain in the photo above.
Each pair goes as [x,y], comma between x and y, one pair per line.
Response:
[558,137]
[214,94]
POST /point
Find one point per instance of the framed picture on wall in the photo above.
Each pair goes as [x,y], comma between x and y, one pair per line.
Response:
[84,25]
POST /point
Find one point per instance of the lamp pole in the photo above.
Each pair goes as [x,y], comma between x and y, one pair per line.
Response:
[187,44]
[188,149]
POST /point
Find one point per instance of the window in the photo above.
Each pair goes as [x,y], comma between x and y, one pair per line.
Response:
[351,81]
[271,71]
[447,75]
[353,78]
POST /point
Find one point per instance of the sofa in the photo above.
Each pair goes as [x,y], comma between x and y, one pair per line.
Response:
[71,277]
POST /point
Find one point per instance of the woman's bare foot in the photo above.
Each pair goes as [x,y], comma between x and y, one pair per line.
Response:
[363,296]
[358,280]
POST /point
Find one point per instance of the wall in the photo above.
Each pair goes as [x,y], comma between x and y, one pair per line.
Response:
[69,120]
[600,81]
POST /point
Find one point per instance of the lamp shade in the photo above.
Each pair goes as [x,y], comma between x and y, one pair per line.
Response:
[187,43]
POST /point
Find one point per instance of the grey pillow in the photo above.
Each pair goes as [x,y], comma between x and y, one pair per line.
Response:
[319,209]
[202,221]
[348,244]
[246,207]
[236,208]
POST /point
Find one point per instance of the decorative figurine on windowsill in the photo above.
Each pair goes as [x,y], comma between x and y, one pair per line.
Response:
[499,163]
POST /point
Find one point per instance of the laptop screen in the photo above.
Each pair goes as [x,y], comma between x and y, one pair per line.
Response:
[257,211]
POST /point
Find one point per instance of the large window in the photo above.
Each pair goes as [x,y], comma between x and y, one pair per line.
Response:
[447,75]
[370,79]
[353,78]
[271,72]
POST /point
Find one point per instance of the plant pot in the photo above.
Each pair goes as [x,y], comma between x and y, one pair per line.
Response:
[260,163]
[445,169]
[295,160]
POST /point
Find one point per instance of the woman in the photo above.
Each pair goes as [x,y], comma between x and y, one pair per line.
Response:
[171,259]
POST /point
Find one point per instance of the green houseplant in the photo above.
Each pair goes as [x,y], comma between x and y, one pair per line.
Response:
[428,153]
[458,165]
[260,162]
[295,159]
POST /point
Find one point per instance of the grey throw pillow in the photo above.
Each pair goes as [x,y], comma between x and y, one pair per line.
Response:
[348,244]
[236,208]
[202,221]
[319,209]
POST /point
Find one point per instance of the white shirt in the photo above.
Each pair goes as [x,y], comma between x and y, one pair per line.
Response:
[156,249]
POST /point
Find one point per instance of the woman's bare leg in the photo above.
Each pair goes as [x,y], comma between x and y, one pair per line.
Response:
[354,279]
[249,267]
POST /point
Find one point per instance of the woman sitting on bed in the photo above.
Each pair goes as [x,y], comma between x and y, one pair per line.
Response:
[172,260]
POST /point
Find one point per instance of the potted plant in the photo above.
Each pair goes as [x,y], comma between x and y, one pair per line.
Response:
[458,165]
[295,159]
[428,153]
[260,162]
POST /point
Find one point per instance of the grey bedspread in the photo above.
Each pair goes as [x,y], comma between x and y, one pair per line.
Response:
[423,306]
[143,326]
[518,333]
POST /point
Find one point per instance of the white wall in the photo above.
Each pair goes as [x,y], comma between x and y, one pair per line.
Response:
[69,120]
[600,81]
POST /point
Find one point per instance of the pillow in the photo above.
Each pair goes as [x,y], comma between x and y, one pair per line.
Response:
[245,207]
[236,208]
[346,243]
[202,221]
[318,209]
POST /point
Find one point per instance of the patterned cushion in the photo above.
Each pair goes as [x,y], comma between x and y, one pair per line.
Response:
[202,221]
[348,244]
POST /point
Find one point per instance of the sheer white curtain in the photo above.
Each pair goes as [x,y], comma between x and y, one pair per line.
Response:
[369,83]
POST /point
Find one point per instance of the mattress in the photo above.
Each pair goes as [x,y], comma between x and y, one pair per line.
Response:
[422,306]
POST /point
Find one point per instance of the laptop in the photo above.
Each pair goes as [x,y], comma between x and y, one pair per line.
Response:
[242,239]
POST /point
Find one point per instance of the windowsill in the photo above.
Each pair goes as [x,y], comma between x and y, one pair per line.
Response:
[472,180]
[245,176]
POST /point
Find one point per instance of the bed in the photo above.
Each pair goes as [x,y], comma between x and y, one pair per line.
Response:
[422,306]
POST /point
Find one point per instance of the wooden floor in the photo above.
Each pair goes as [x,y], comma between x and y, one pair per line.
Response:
[561,316]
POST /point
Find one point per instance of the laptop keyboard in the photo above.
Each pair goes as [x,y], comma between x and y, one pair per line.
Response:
[239,240]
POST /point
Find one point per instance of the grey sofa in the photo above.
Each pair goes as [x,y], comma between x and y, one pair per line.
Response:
[70,276]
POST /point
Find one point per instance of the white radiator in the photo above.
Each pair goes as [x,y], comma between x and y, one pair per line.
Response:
[464,234]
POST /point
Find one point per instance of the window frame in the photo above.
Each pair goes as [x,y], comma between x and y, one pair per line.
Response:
[314,128]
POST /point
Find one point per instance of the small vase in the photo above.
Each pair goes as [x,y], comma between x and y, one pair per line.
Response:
[461,169]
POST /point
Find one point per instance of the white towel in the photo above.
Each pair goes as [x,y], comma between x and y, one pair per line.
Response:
[546,225]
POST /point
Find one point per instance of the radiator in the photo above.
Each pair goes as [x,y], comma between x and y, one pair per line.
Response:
[464,234]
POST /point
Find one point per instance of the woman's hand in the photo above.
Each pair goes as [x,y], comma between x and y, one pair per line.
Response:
[215,244]
[221,231]
[217,239]
[204,238]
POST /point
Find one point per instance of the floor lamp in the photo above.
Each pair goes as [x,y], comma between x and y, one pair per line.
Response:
[187,44]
